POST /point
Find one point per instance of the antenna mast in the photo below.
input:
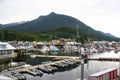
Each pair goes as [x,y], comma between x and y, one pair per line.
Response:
[77,29]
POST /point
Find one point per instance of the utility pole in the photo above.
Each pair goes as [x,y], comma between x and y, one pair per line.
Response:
[77,29]
[82,70]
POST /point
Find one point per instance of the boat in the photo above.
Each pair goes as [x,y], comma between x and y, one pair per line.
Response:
[60,65]
[54,49]
[51,67]
[33,56]
[47,68]
[44,69]
[5,77]
[26,65]
[93,50]
[116,50]
[18,75]
[70,62]
[36,71]
[44,49]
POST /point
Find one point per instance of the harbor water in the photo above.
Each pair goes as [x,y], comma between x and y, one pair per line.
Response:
[91,67]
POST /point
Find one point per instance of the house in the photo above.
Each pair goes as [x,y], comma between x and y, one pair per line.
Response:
[6,54]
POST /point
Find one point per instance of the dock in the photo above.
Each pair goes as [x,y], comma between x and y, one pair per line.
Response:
[104,59]
[32,73]
[27,69]
[36,66]
[71,57]
[61,57]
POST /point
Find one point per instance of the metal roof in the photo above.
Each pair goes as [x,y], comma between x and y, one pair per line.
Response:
[6,46]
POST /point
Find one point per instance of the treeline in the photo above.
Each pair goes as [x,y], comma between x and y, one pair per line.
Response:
[61,32]
[23,36]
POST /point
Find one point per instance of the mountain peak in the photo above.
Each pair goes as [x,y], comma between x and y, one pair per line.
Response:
[52,13]
[54,20]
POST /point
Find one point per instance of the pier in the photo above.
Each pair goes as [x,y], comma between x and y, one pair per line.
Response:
[104,59]
[37,66]
[59,57]
[27,69]
[79,58]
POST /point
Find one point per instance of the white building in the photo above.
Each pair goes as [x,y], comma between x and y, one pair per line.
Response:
[6,50]
[6,54]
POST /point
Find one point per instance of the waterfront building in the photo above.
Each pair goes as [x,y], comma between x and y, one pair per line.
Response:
[6,55]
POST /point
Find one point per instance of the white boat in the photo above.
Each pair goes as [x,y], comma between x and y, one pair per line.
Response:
[47,68]
[26,65]
[36,71]
[44,49]
[53,49]
[3,77]
[18,75]
[93,50]
[32,56]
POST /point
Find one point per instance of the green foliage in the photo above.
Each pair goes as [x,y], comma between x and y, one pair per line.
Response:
[60,32]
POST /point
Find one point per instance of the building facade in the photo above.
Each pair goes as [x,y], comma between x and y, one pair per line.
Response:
[6,55]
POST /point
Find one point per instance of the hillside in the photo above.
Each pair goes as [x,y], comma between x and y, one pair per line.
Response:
[49,22]
[1,26]
[53,21]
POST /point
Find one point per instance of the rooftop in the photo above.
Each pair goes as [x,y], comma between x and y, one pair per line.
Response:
[6,46]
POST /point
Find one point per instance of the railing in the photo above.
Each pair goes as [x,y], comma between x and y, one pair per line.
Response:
[6,56]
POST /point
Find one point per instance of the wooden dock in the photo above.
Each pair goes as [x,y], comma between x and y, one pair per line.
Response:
[71,57]
[104,59]
[30,72]
[36,66]
[61,57]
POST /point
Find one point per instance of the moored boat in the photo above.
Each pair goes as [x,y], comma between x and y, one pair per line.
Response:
[47,68]
[18,75]
[4,77]
[36,71]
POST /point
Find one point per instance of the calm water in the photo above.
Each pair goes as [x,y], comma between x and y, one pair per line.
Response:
[73,74]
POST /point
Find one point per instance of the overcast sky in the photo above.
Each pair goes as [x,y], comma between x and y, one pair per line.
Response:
[103,15]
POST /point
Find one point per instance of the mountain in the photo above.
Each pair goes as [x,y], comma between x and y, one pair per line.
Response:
[13,24]
[1,26]
[106,34]
[110,35]
[53,21]
[49,22]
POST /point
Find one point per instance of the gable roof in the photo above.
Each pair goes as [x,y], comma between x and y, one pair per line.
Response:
[6,46]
